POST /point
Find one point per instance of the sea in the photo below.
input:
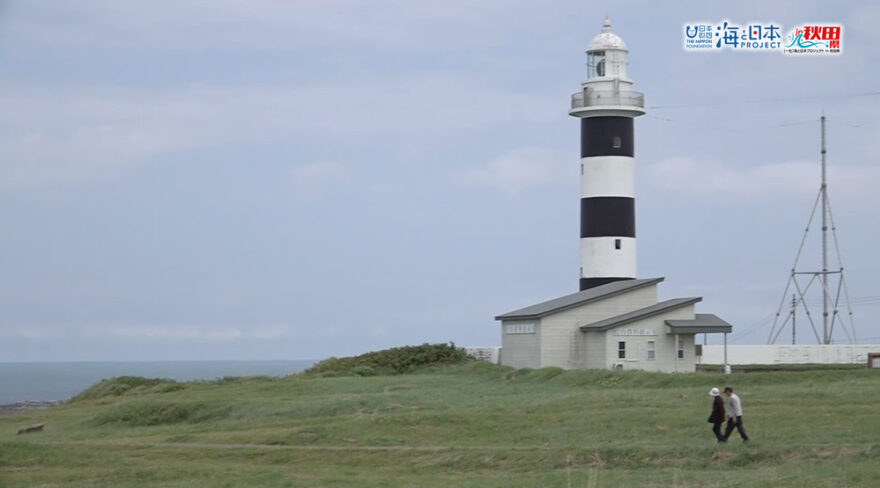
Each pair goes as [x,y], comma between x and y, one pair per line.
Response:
[52,381]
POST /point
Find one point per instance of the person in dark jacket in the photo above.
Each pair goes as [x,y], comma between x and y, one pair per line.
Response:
[716,418]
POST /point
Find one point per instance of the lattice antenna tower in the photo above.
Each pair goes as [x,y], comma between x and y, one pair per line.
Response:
[803,281]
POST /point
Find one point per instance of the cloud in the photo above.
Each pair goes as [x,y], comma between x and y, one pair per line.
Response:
[58,136]
[272,331]
[30,333]
[197,334]
[731,183]
[205,24]
[312,179]
[520,169]
[175,333]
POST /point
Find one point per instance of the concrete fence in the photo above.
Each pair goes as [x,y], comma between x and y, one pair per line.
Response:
[491,354]
[781,354]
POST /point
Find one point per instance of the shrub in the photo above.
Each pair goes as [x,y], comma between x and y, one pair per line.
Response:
[225,380]
[362,371]
[394,361]
[125,384]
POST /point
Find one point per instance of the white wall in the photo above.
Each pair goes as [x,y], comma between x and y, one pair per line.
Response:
[521,350]
[559,332]
[781,354]
[600,258]
[665,350]
[607,176]
[590,352]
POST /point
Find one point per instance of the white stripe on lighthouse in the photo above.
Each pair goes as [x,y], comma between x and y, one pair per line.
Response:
[601,258]
[607,176]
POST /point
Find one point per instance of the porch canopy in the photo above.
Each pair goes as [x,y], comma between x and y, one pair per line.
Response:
[703,323]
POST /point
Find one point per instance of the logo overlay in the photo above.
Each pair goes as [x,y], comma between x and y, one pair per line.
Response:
[815,39]
[751,37]
[762,37]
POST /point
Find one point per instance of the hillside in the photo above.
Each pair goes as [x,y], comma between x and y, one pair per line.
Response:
[472,425]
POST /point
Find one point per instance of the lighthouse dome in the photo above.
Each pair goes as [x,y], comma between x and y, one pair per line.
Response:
[606,40]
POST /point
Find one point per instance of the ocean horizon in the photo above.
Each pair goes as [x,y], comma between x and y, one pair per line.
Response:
[58,381]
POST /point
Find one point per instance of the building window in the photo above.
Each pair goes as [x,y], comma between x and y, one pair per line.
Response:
[617,244]
[520,328]
[582,168]
[621,350]
[650,350]
[680,349]
[616,142]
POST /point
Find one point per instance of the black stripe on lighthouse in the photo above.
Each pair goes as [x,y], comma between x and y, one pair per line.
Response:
[586,283]
[608,217]
[607,136]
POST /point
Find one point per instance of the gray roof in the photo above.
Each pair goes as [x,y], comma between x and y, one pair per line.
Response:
[639,314]
[703,323]
[577,299]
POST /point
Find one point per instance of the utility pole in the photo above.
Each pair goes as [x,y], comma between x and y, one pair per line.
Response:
[793,319]
[803,281]
[826,337]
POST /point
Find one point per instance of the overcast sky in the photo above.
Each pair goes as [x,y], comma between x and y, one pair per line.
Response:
[295,180]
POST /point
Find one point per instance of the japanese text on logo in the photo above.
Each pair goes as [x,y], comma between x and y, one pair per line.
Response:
[726,35]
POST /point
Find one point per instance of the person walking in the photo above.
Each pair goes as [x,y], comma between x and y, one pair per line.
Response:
[734,416]
[716,418]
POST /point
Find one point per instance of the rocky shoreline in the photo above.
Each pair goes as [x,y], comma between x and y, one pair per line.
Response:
[26,406]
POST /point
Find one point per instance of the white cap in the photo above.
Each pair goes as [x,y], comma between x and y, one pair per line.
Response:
[714,392]
[606,40]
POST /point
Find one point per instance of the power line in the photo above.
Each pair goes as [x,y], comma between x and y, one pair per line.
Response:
[765,100]
[865,299]
[749,128]
[758,325]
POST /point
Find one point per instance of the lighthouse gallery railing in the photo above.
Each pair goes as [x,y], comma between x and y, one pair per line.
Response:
[592,98]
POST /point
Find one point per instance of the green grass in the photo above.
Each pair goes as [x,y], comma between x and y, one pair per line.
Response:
[474,425]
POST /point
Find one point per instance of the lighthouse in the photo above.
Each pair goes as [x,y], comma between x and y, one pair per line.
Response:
[615,321]
[606,105]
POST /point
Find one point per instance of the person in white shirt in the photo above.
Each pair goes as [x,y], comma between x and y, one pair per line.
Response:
[734,416]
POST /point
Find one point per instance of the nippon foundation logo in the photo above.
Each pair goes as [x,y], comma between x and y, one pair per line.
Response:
[814,39]
[705,36]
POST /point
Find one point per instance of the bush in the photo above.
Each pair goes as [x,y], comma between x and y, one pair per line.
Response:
[125,384]
[394,361]
[362,371]
[226,380]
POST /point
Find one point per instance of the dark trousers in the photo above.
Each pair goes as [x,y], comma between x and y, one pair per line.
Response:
[738,426]
[716,428]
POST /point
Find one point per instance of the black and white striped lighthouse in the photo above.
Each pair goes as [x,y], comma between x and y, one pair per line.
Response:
[606,106]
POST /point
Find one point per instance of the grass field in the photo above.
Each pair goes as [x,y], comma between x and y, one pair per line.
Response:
[475,425]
